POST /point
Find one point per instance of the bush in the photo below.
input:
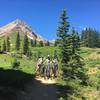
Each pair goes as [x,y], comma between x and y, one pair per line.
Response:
[15,64]
[98,52]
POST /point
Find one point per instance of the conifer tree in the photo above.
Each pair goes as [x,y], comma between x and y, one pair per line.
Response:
[18,42]
[47,43]
[8,44]
[55,43]
[90,38]
[26,45]
[32,43]
[4,46]
[41,43]
[76,70]
[72,66]
[63,38]
[35,43]
[0,48]
[55,56]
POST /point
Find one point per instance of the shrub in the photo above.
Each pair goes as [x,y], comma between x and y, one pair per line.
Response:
[98,52]
[15,64]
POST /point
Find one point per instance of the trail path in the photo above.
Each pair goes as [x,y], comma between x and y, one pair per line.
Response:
[42,89]
[37,89]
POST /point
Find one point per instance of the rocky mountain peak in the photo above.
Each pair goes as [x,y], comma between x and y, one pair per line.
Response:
[21,26]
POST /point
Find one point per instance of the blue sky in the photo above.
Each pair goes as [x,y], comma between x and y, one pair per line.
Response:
[43,15]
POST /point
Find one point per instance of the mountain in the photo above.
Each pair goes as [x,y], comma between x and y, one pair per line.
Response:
[21,26]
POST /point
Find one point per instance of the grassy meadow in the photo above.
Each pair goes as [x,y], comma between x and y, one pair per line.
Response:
[91,58]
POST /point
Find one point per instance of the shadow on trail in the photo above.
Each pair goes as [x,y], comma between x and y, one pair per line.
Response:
[12,83]
[41,91]
[17,85]
[50,91]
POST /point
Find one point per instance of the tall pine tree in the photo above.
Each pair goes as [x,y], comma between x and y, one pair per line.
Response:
[63,38]
[8,44]
[18,42]
[26,45]
[35,43]
[73,72]
[77,70]
[4,46]
[31,42]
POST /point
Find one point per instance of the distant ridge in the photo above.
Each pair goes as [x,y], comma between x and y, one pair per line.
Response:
[21,26]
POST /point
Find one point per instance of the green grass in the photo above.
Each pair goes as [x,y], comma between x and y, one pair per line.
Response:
[28,65]
[91,58]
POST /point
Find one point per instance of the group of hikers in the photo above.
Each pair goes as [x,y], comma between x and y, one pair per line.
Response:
[47,67]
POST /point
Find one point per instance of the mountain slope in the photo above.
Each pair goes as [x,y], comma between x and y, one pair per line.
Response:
[21,26]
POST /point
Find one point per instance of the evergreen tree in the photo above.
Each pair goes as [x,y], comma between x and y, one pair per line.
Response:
[26,45]
[41,43]
[64,44]
[0,48]
[72,66]
[29,54]
[76,70]
[4,46]
[8,44]
[90,38]
[47,44]
[18,42]
[35,43]
[55,55]
[63,36]
[32,43]
[55,43]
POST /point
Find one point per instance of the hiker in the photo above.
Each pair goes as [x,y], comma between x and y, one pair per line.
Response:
[55,67]
[47,67]
[51,68]
[39,65]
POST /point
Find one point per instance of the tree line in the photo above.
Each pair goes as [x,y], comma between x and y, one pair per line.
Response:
[88,38]
[27,43]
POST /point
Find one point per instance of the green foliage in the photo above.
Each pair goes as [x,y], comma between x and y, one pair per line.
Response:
[76,64]
[56,43]
[8,44]
[90,38]
[15,64]
[63,37]
[32,42]
[41,44]
[4,46]
[35,43]
[39,54]
[18,41]
[47,44]
[72,66]
[26,45]
[29,54]
[98,52]
[55,54]
[0,48]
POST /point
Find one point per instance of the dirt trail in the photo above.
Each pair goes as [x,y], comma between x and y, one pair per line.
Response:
[42,89]
[37,89]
